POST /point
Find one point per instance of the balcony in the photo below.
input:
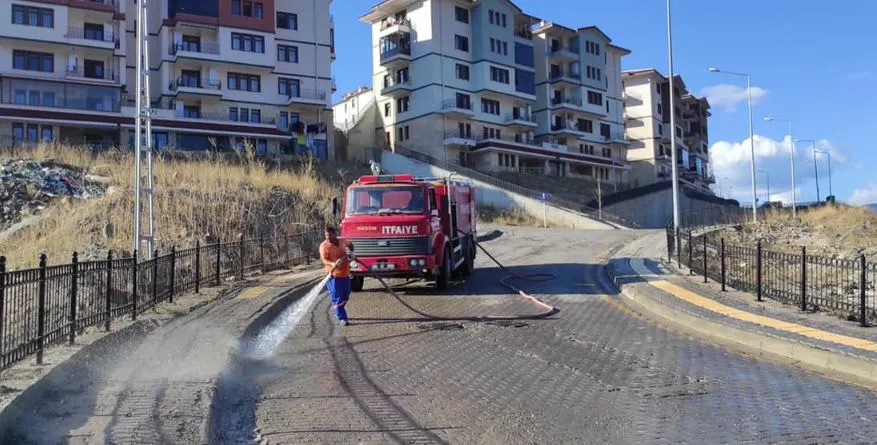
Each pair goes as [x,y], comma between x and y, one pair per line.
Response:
[93,38]
[111,6]
[564,52]
[454,107]
[457,137]
[568,129]
[201,50]
[570,77]
[615,137]
[397,55]
[524,33]
[196,86]
[392,25]
[574,103]
[223,117]
[99,75]
[520,119]
[62,95]
[709,179]
[394,88]
[307,97]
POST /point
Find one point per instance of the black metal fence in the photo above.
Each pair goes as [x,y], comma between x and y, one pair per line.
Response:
[810,282]
[50,304]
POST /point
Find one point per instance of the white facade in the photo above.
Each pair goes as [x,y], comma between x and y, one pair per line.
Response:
[199,58]
[468,82]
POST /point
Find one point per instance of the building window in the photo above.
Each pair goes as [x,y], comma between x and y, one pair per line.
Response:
[287,20]
[461,43]
[191,112]
[404,133]
[246,8]
[595,98]
[47,133]
[17,131]
[497,18]
[94,69]
[660,111]
[491,133]
[605,130]
[287,53]
[586,125]
[462,14]
[499,47]
[289,87]
[594,73]
[490,106]
[499,75]
[233,114]
[402,104]
[31,16]
[387,109]
[244,82]
[462,72]
[464,101]
[33,61]
[592,48]
[247,42]
[93,31]
[284,120]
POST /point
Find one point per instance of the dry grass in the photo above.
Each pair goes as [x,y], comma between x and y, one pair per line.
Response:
[504,217]
[835,231]
[213,197]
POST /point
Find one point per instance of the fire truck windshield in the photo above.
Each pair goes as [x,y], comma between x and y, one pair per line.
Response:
[386,200]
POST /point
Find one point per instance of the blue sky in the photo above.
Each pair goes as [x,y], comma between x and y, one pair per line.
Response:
[810,61]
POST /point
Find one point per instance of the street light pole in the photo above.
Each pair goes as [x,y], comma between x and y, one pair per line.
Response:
[751,138]
[768,183]
[815,165]
[792,160]
[672,93]
[828,154]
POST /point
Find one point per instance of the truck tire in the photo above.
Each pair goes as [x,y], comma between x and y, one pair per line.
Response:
[443,280]
[469,263]
[356,284]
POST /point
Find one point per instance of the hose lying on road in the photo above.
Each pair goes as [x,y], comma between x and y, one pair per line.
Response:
[533,277]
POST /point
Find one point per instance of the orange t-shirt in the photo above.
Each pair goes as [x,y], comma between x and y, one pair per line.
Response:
[331,253]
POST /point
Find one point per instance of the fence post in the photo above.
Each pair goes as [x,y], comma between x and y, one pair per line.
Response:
[41,314]
[197,266]
[704,260]
[218,263]
[723,265]
[73,296]
[173,272]
[154,278]
[241,240]
[262,252]
[804,278]
[134,287]
[109,300]
[286,260]
[2,302]
[690,255]
[678,249]
[758,270]
[862,283]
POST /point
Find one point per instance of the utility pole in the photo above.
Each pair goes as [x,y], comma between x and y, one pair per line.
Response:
[144,238]
[673,124]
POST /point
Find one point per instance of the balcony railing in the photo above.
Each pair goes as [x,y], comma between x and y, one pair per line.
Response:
[397,83]
[81,33]
[519,117]
[307,94]
[80,71]
[565,74]
[201,48]
[452,104]
[404,50]
[188,82]
[62,95]
[566,101]
[392,21]
[566,48]
[223,117]
[524,33]
[566,126]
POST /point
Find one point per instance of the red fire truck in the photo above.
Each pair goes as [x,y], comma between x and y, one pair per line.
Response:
[407,227]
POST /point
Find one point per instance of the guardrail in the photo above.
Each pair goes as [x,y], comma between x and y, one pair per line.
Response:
[515,188]
[50,304]
[810,282]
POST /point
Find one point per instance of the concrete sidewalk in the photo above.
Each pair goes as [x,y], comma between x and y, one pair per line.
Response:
[817,341]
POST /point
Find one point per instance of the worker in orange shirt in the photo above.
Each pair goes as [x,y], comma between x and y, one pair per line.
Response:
[334,257]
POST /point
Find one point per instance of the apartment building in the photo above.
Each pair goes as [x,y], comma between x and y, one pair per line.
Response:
[356,117]
[468,81]
[222,72]
[647,115]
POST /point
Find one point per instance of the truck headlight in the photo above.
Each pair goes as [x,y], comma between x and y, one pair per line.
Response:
[413,262]
[421,262]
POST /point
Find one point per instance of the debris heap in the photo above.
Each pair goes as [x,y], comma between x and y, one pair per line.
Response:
[27,187]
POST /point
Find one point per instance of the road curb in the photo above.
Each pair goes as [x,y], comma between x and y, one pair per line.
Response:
[848,367]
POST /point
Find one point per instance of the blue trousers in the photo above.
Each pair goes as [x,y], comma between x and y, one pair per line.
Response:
[339,291]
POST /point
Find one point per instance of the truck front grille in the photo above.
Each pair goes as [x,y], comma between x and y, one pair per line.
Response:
[370,247]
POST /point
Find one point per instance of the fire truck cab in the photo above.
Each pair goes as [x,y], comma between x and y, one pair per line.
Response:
[407,227]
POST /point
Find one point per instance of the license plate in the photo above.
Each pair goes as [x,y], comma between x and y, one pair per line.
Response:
[383,266]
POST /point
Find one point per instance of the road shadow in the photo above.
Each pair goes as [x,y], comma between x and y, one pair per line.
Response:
[66,398]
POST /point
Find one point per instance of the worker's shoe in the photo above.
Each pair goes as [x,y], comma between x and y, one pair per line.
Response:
[344,322]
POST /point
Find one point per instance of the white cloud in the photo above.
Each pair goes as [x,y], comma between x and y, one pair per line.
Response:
[731,166]
[728,96]
[861,75]
[864,196]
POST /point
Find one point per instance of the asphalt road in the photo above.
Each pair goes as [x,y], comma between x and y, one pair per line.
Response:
[595,372]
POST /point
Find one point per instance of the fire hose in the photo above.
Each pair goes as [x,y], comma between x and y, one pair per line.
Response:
[532,277]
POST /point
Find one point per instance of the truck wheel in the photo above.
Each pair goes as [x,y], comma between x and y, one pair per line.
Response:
[356,284]
[443,280]
[469,264]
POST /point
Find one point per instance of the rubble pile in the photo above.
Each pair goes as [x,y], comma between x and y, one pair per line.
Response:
[27,187]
